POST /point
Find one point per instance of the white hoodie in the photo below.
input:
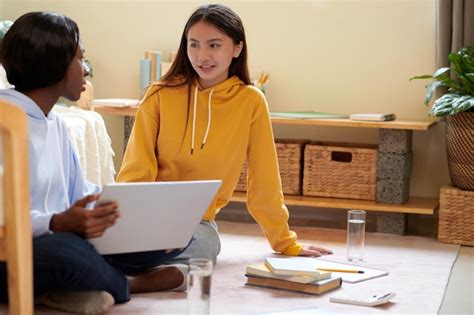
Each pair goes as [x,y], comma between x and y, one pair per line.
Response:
[56,179]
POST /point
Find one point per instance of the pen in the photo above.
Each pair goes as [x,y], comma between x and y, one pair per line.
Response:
[341,270]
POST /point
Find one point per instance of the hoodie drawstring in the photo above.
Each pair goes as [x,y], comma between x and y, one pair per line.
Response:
[194,118]
[208,119]
[209,116]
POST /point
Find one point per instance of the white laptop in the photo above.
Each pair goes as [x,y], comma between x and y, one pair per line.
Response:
[154,215]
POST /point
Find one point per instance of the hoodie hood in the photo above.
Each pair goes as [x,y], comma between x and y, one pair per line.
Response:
[223,89]
[24,102]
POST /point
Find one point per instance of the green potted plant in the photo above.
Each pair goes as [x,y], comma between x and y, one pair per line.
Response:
[457,105]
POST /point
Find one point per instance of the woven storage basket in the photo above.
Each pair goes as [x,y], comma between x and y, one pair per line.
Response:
[456,216]
[290,158]
[460,148]
[242,184]
[341,170]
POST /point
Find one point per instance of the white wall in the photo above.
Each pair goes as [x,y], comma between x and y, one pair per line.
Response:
[336,56]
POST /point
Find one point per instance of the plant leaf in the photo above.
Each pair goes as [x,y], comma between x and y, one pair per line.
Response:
[470,77]
[430,89]
[467,86]
[425,76]
[463,104]
[440,71]
[460,80]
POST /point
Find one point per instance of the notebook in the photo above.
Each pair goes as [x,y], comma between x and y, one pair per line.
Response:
[116,102]
[262,271]
[154,215]
[368,272]
[291,266]
[317,287]
[310,266]
[308,115]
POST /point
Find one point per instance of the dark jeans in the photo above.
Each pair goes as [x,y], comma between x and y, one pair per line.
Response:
[65,261]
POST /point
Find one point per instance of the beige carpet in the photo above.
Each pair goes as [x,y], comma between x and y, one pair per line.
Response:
[418,267]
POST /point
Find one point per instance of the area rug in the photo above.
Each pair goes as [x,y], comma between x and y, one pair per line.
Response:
[419,270]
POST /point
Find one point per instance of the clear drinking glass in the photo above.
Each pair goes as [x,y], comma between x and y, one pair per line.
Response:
[355,234]
[199,285]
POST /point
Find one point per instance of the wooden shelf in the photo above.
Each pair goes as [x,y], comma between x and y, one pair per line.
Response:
[396,124]
[416,205]
[117,111]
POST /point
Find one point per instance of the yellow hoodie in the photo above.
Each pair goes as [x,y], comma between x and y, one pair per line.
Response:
[210,140]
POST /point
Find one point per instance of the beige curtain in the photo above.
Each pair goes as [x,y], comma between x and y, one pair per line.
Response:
[454,28]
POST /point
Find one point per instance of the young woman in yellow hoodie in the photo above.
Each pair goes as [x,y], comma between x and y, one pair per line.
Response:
[201,120]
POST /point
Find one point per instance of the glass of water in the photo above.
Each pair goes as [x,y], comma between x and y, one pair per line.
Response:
[199,285]
[355,234]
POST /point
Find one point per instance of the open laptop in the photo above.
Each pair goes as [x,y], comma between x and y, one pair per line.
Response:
[154,215]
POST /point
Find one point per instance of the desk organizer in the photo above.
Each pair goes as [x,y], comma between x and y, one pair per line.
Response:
[341,170]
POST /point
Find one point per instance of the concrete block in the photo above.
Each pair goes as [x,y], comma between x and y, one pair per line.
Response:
[393,223]
[394,165]
[127,129]
[395,141]
[393,191]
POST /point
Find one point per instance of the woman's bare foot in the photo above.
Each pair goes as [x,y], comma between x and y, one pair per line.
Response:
[165,278]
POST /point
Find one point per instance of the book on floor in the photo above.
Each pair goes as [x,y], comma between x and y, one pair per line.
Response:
[115,102]
[291,266]
[317,287]
[261,270]
[307,115]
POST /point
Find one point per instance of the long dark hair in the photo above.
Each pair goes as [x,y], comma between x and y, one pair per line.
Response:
[227,21]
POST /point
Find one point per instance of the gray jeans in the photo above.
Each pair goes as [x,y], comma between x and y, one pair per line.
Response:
[205,244]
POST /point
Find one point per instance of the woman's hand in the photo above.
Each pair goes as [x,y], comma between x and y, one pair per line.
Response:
[315,251]
[84,222]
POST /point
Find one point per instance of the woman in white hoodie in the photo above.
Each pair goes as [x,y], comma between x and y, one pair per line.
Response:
[43,58]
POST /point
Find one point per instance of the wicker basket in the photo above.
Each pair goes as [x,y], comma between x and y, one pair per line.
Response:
[459,146]
[340,170]
[242,184]
[290,156]
[456,216]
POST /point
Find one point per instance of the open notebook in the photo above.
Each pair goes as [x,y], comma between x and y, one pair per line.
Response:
[308,266]
[369,273]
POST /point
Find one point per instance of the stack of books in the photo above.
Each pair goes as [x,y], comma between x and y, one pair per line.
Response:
[291,274]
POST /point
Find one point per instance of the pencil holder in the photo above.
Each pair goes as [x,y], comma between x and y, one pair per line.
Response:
[260,86]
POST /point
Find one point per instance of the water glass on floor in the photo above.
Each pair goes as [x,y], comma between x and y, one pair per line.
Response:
[355,235]
[199,285]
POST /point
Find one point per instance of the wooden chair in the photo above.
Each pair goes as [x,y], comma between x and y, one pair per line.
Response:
[15,221]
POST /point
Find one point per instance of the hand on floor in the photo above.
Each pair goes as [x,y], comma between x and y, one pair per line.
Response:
[315,251]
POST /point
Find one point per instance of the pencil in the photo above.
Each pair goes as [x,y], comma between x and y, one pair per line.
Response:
[341,270]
